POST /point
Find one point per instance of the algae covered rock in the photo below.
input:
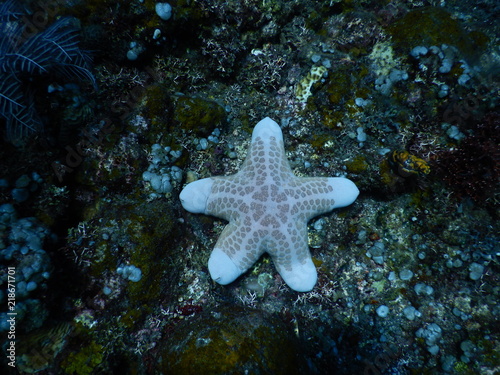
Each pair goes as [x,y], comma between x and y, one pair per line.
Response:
[232,340]
[434,26]
[198,115]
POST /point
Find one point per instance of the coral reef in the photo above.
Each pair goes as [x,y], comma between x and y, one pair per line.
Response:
[111,273]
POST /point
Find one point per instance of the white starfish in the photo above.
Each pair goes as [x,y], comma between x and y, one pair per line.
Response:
[267,208]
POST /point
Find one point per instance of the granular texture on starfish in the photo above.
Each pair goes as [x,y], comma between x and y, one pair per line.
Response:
[267,208]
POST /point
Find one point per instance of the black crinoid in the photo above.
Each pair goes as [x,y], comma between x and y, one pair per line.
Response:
[25,57]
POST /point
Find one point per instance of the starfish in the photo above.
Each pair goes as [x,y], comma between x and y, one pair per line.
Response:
[267,208]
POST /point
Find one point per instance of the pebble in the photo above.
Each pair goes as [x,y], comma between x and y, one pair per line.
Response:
[405,275]
[476,271]
[382,311]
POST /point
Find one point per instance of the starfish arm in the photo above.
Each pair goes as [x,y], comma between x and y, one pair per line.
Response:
[195,195]
[234,253]
[303,275]
[344,192]
[266,129]
[266,152]
[290,253]
[318,195]
[222,268]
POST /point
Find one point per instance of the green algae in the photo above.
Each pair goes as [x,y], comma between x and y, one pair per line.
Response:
[433,26]
[340,85]
[85,361]
[130,318]
[197,115]
[357,165]
[156,101]
[231,340]
[336,99]
[140,234]
[146,231]
[462,368]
